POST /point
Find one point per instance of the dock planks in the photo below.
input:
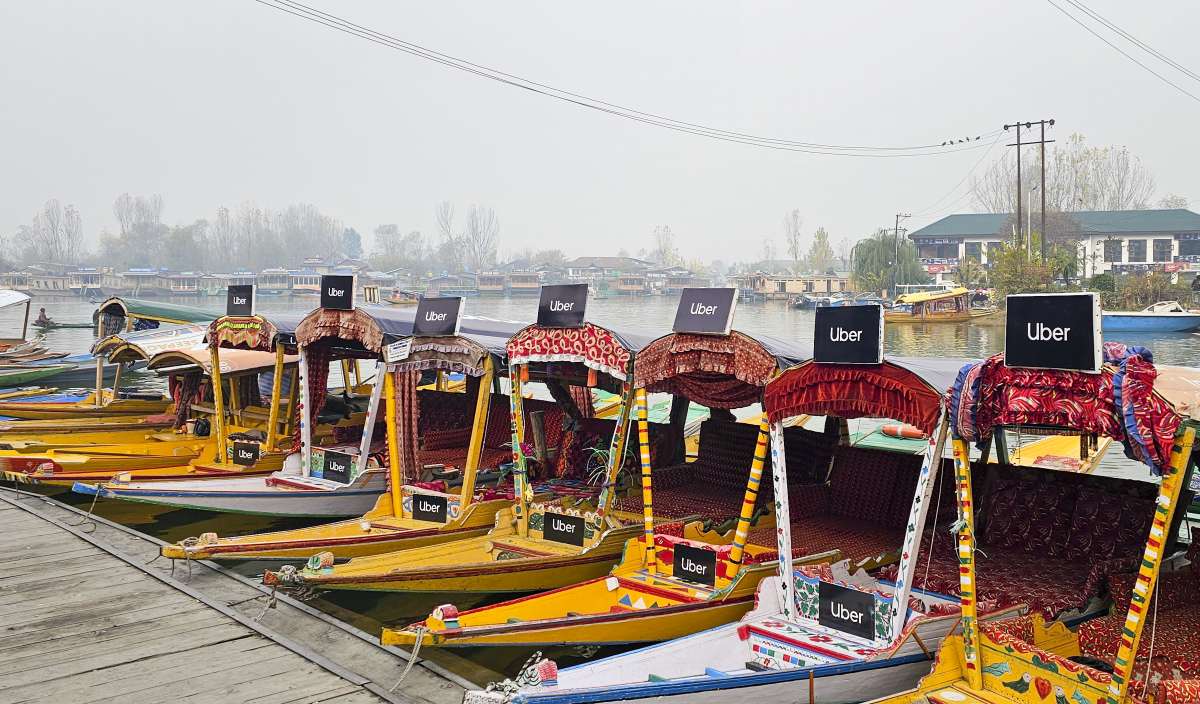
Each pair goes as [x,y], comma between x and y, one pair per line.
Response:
[87,622]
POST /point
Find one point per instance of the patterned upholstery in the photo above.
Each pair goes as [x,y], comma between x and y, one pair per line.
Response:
[1047,539]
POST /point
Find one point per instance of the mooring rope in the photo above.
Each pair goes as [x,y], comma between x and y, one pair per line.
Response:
[87,518]
[412,658]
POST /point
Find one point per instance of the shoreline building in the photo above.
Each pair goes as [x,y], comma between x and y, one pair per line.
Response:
[1109,241]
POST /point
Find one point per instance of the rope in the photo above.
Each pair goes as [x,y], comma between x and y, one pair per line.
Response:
[937,507]
[87,517]
[412,658]
[272,602]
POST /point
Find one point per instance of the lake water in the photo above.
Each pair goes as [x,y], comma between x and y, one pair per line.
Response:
[649,315]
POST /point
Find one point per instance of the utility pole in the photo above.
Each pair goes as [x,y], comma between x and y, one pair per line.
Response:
[896,260]
[1018,144]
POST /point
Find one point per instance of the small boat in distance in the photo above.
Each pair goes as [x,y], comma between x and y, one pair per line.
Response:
[1164,316]
[952,306]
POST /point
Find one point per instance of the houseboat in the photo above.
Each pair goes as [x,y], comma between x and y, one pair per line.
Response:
[524,283]
[273,282]
[492,283]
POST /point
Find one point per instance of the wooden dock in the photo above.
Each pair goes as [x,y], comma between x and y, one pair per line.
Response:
[85,618]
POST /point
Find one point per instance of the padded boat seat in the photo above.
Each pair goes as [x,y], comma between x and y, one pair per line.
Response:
[1046,539]
[1174,615]
[856,539]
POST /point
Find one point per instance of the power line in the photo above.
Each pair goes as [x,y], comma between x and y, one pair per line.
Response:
[1095,34]
[935,204]
[340,24]
[1141,44]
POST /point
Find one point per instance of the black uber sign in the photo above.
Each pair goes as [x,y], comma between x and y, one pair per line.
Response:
[1053,331]
[846,610]
[707,311]
[694,564]
[239,300]
[563,529]
[245,453]
[562,306]
[437,317]
[426,507]
[337,292]
[337,466]
[849,335]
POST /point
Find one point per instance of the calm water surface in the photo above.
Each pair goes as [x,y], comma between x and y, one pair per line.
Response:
[649,315]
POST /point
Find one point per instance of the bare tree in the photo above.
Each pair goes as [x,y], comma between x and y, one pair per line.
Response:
[55,235]
[123,210]
[1172,201]
[791,234]
[223,237]
[481,237]
[1078,177]
[768,251]
[664,252]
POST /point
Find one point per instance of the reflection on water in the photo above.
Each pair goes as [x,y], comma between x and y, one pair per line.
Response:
[649,315]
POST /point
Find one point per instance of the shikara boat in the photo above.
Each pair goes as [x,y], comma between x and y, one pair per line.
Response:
[120,314]
[422,430]
[673,579]
[790,638]
[19,375]
[516,555]
[953,306]
[17,305]
[1026,660]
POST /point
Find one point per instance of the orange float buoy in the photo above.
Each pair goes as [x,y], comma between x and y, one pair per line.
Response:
[904,431]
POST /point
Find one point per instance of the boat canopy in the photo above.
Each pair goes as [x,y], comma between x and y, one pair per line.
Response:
[591,345]
[1122,402]
[367,329]
[235,361]
[926,296]
[116,311]
[8,297]
[907,389]
[254,332]
[716,371]
[141,345]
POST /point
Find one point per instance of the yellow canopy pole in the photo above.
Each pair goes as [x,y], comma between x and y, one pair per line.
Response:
[966,562]
[478,430]
[517,421]
[1147,579]
[276,389]
[218,404]
[396,478]
[100,382]
[616,449]
[647,489]
[751,495]
[235,400]
[442,382]
[347,382]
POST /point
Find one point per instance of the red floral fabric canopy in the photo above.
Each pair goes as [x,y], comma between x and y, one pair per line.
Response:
[353,325]
[845,391]
[714,371]
[590,345]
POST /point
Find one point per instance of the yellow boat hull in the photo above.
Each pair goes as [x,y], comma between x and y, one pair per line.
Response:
[500,561]
[377,532]
[83,409]
[938,316]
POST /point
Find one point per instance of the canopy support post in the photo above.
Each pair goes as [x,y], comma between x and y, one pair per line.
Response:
[364,445]
[483,406]
[647,488]
[516,407]
[966,561]
[395,475]
[100,382]
[289,426]
[276,390]
[910,552]
[783,519]
[218,403]
[1147,578]
[616,447]
[302,416]
[751,495]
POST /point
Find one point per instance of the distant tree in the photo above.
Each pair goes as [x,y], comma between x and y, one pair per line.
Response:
[874,266]
[352,243]
[186,248]
[768,251]
[549,257]
[1018,268]
[820,255]
[222,241]
[664,253]
[1172,201]
[845,245]
[970,274]
[791,237]
[55,235]
[141,240]
[622,252]
[1078,177]
[481,238]
[450,251]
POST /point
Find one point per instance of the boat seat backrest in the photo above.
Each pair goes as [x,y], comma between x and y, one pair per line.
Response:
[862,483]
[442,410]
[726,452]
[1059,514]
[1174,590]
[808,454]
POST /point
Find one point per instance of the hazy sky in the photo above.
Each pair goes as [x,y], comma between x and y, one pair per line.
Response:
[224,101]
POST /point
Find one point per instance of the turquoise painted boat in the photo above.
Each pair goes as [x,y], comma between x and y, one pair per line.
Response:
[1164,316]
[18,375]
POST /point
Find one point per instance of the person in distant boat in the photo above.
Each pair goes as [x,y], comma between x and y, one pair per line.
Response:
[43,320]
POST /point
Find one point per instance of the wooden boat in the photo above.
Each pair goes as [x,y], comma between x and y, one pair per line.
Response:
[953,306]
[1025,660]
[120,314]
[54,325]
[397,521]
[1164,316]
[18,303]
[19,375]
